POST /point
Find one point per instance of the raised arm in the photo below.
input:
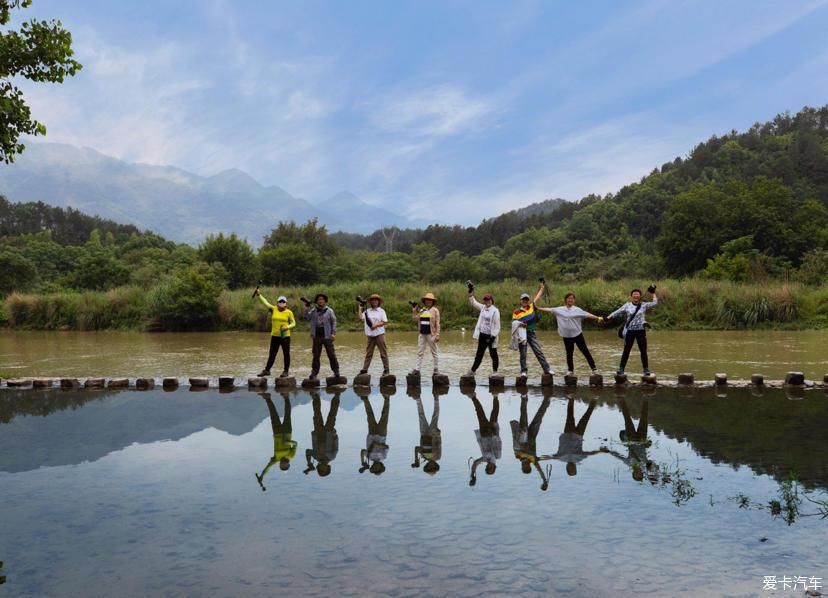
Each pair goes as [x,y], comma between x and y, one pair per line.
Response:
[539,294]
[265,302]
[653,303]
[475,303]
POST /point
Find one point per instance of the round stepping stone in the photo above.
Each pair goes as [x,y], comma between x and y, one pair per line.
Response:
[94,383]
[521,381]
[596,380]
[467,381]
[440,380]
[721,379]
[336,381]
[362,380]
[42,383]
[199,382]
[118,383]
[648,379]
[68,383]
[620,378]
[286,382]
[169,383]
[308,383]
[571,380]
[794,378]
[547,380]
[226,382]
[686,379]
[757,379]
[18,382]
[257,383]
[387,380]
[412,379]
[145,383]
[497,381]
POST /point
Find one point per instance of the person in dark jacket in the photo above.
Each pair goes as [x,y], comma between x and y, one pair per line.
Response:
[323,332]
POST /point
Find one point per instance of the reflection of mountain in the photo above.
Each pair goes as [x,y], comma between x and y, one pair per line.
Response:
[82,427]
[769,434]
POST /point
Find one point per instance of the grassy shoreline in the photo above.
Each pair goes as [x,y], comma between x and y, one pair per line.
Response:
[690,304]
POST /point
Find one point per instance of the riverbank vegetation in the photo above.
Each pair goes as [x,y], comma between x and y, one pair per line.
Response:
[737,232]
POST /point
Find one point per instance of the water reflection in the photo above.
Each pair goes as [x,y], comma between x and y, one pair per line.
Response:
[488,437]
[376,442]
[324,439]
[431,439]
[636,440]
[571,441]
[284,446]
[525,439]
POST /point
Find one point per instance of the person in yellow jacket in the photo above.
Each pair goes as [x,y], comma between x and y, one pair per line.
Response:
[282,321]
[284,446]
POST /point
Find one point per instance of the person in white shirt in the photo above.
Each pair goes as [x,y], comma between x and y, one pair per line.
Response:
[486,331]
[374,320]
[570,327]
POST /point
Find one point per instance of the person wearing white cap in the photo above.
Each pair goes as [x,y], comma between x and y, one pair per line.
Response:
[282,320]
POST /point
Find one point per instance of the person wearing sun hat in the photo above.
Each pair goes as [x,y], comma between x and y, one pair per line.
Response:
[428,319]
[282,320]
[374,319]
[323,332]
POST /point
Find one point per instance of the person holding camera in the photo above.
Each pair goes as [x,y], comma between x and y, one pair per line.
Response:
[323,332]
[486,330]
[282,320]
[570,327]
[428,320]
[634,329]
[374,319]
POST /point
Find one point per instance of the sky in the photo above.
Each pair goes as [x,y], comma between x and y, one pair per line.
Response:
[444,110]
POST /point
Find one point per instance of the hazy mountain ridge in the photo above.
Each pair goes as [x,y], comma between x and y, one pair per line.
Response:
[173,202]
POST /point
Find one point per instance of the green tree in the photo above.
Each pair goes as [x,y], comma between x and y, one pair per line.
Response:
[97,269]
[234,254]
[290,263]
[311,234]
[40,51]
[18,272]
[187,299]
[392,266]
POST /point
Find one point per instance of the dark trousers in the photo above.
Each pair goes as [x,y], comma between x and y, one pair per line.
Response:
[318,343]
[580,428]
[532,342]
[483,341]
[277,342]
[487,425]
[534,427]
[279,426]
[639,336]
[580,342]
[321,426]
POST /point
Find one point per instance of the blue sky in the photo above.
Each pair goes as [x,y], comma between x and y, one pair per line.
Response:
[448,110]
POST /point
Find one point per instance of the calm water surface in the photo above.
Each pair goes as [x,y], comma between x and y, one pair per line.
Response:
[153,493]
[131,354]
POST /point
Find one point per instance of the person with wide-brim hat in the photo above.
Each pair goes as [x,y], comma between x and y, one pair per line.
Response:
[323,332]
[428,319]
[374,319]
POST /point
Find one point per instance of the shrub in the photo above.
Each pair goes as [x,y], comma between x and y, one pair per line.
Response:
[187,299]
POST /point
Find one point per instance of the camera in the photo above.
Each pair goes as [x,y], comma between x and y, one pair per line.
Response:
[542,280]
[470,286]
[651,288]
[413,304]
[305,301]
[360,300]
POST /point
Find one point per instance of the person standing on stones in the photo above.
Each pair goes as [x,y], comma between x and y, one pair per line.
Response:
[282,321]
[486,330]
[284,447]
[570,327]
[376,443]
[634,329]
[488,437]
[525,319]
[428,321]
[323,332]
[571,441]
[374,320]
[324,439]
[637,443]
[525,438]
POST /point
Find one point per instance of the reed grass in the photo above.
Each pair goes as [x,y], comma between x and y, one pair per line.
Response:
[690,304]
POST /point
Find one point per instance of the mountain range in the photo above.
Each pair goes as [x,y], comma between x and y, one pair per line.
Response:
[174,203]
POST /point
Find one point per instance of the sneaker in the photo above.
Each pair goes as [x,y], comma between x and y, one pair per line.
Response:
[523,374]
[336,374]
[312,377]
[619,372]
[469,374]
[646,372]
[264,373]
[386,372]
[594,370]
[414,372]
[435,373]
[284,374]
[570,373]
[362,372]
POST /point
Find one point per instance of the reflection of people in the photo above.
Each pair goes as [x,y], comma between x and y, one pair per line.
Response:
[524,323]
[374,320]
[488,437]
[637,443]
[376,447]
[323,332]
[282,320]
[524,438]
[431,441]
[324,439]
[570,327]
[571,442]
[486,331]
[635,327]
[428,320]
[284,447]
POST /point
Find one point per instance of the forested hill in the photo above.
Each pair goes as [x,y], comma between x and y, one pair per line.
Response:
[740,205]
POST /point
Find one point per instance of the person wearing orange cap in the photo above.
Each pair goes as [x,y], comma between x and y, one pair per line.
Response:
[428,319]
[374,319]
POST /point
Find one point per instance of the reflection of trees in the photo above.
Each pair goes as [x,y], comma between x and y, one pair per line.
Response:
[769,434]
[40,403]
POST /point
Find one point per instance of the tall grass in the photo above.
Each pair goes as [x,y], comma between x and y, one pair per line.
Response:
[683,304]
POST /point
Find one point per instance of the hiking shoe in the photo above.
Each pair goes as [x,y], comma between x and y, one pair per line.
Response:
[264,373]
[619,372]
[362,372]
[312,377]
[570,373]
[414,372]
[646,372]
[386,372]
[469,374]
[523,374]
[594,370]
[284,374]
